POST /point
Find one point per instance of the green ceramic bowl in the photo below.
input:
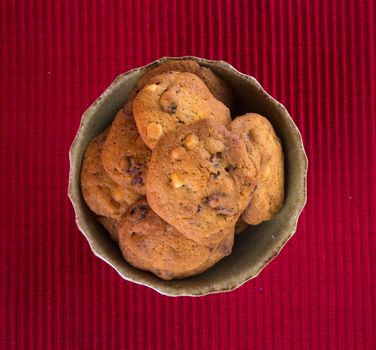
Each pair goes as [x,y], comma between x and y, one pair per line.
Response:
[253,250]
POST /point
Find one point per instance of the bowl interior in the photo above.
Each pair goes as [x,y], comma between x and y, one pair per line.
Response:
[252,249]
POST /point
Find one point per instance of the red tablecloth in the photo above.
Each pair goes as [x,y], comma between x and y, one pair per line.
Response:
[317,57]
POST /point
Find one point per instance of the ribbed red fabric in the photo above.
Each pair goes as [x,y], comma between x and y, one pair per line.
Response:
[316,57]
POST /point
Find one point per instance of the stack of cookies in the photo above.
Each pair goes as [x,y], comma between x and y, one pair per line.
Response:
[174,177]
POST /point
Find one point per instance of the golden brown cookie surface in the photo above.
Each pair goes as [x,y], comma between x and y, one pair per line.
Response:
[217,86]
[200,179]
[125,157]
[149,243]
[262,144]
[172,100]
[103,196]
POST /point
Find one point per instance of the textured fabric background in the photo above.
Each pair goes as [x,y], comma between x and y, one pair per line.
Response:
[316,57]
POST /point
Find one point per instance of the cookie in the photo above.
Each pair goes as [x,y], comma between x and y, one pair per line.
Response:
[125,157]
[102,195]
[172,100]
[264,146]
[149,243]
[200,179]
[220,89]
[240,226]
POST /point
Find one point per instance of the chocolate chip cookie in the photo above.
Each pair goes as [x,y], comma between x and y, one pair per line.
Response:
[172,100]
[200,179]
[220,89]
[125,157]
[264,145]
[149,243]
[102,195]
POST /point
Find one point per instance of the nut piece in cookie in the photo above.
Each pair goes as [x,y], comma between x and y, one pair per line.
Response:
[125,157]
[264,146]
[149,243]
[172,100]
[200,179]
[217,86]
[102,195]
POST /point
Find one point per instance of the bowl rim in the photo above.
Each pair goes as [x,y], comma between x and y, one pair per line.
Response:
[170,291]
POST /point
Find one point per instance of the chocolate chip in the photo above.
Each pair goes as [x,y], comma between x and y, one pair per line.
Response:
[215,175]
[214,200]
[137,180]
[225,211]
[133,233]
[171,109]
[199,208]
[193,222]
[229,168]
[140,210]
[144,209]
[215,159]
[133,166]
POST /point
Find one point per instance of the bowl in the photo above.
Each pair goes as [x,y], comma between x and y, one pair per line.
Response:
[252,250]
